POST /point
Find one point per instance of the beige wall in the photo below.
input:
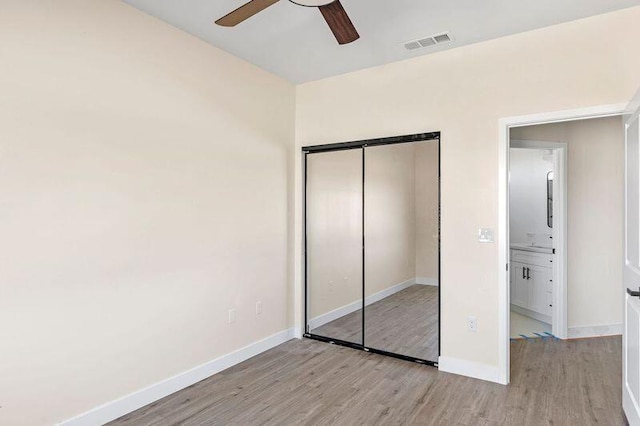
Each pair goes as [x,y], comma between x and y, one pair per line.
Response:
[426,169]
[463,93]
[595,182]
[143,192]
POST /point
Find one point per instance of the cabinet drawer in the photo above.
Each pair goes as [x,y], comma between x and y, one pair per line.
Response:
[537,259]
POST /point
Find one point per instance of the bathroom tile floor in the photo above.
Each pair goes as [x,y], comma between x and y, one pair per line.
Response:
[521,324]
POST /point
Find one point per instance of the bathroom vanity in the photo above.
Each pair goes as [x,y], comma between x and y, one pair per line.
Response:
[532,281]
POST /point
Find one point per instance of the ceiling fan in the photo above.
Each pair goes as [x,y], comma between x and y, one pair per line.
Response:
[332,10]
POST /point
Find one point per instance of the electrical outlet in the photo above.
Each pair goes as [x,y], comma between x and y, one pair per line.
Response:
[472,324]
[232,316]
[258,308]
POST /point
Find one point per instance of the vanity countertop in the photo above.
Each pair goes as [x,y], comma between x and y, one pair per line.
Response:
[527,247]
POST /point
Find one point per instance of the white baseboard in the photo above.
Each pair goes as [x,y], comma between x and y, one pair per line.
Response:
[470,369]
[427,281]
[595,331]
[323,319]
[119,407]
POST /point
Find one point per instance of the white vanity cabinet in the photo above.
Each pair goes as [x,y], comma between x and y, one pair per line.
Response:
[532,283]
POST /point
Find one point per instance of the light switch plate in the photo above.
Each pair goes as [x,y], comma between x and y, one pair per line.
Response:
[485,235]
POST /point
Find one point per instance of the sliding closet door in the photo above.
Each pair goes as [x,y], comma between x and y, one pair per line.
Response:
[334,245]
[402,249]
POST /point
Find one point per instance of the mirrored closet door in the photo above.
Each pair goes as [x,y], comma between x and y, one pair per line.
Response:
[372,227]
[401,249]
[334,245]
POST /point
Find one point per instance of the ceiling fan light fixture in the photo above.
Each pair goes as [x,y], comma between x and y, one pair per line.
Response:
[312,3]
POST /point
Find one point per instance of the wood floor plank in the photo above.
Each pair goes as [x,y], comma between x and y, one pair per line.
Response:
[305,382]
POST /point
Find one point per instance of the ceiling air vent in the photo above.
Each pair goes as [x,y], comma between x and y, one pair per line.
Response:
[428,41]
[442,38]
[425,42]
[412,45]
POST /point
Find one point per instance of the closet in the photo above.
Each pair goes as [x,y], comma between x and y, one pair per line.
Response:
[372,245]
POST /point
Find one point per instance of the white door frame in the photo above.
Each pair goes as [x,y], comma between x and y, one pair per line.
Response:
[629,400]
[559,326]
[503,209]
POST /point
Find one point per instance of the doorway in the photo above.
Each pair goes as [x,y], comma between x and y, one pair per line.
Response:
[507,125]
[537,235]
[372,245]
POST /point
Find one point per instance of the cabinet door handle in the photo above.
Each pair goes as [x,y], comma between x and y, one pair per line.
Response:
[524,274]
[528,273]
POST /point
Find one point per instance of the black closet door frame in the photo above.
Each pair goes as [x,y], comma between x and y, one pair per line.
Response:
[314,149]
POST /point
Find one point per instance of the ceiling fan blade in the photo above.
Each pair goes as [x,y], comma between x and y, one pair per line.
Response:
[339,22]
[244,12]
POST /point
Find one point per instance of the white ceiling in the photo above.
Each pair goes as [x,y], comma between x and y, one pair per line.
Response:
[295,42]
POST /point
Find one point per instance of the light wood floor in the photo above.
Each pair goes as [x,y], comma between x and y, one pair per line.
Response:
[304,382]
[405,323]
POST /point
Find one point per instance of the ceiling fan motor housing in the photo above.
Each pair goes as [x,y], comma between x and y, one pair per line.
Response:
[312,3]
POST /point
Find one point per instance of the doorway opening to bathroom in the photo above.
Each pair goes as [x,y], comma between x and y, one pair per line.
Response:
[538,235]
[565,207]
